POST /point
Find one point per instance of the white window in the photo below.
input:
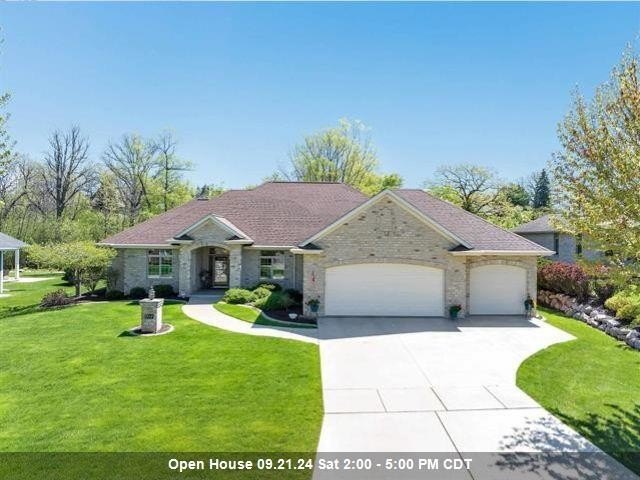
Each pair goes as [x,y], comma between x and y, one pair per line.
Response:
[271,265]
[160,264]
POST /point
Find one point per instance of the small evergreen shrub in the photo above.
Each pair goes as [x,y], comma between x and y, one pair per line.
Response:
[261,292]
[274,287]
[57,298]
[164,291]
[138,293]
[238,296]
[296,295]
[626,304]
[114,295]
[275,301]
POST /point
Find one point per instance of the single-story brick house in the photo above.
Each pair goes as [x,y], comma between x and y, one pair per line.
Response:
[565,247]
[401,252]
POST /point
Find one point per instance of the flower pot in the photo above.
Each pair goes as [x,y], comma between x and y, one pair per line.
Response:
[293,316]
[314,308]
[453,315]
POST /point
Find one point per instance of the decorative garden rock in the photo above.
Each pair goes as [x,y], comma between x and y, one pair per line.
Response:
[594,316]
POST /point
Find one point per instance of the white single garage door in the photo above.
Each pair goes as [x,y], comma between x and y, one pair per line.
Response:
[384,289]
[497,289]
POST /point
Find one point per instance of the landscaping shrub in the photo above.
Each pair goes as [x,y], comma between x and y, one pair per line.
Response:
[626,304]
[274,287]
[164,290]
[261,292]
[295,295]
[603,289]
[114,295]
[238,295]
[137,293]
[275,301]
[567,278]
[57,298]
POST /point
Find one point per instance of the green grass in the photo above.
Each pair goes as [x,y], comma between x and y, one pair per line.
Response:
[74,380]
[24,297]
[592,384]
[252,315]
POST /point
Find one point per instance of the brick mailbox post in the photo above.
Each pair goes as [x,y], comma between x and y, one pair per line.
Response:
[151,316]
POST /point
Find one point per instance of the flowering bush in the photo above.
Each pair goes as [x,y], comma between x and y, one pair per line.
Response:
[567,278]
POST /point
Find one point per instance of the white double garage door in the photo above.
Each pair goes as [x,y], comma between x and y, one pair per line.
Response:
[391,289]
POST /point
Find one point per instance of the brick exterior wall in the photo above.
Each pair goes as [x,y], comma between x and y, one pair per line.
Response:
[251,269]
[385,233]
[133,265]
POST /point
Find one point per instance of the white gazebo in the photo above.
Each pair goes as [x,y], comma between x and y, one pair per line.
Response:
[9,244]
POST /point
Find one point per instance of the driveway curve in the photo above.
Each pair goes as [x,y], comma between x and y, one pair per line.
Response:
[435,385]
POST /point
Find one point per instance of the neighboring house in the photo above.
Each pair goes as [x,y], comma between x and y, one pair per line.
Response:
[401,252]
[566,247]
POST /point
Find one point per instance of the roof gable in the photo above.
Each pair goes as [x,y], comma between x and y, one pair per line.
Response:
[482,236]
[234,232]
[421,216]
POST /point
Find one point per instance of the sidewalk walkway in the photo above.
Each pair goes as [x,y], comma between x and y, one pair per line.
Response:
[200,308]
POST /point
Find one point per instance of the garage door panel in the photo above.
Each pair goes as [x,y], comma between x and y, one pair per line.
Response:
[497,290]
[384,289]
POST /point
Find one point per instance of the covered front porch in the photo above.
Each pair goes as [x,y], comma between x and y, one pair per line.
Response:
[209,269]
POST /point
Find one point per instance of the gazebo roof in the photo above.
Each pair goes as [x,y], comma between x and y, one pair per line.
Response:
[10,243]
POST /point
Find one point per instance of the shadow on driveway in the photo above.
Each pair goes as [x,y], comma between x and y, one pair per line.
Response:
[330,328]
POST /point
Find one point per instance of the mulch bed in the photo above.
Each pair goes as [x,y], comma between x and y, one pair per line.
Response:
[284,316]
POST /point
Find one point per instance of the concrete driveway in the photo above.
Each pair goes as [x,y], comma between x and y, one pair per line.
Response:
[433,385]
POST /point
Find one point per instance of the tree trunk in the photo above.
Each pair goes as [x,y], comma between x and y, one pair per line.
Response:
[77,282]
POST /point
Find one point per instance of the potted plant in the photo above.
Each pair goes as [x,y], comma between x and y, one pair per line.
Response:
[454,310]
[314,305]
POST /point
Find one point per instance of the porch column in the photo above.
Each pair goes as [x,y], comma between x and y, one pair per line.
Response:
[235,265]
[17,264]
[184,279]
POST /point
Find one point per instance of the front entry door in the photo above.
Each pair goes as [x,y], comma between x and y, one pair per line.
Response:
[220,271]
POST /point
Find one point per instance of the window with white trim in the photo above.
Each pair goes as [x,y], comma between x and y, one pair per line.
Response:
[271,265]
[160,264]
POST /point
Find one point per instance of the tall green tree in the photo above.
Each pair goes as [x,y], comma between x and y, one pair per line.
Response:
[472,187]
[343,153]
[131,163]
[541,190]
[597,168]
[169,168]
[516,194]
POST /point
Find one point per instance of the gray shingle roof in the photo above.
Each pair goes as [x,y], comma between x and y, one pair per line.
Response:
[288,213]
[478,233]
[539,225]
[10,243]
[273,214]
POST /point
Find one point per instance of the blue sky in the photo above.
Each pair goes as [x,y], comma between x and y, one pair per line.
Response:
[240,84]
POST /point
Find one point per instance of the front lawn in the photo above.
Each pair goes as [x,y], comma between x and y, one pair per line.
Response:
[253,315]
[592,384]
[24,297]
[75,380]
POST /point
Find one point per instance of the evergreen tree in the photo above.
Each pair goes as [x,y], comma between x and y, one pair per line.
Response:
[542,192]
